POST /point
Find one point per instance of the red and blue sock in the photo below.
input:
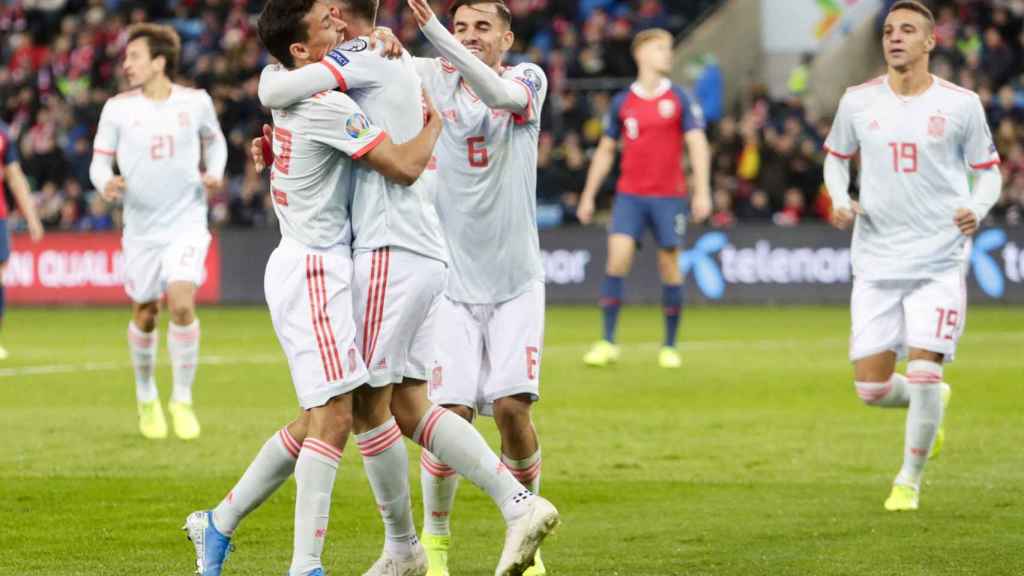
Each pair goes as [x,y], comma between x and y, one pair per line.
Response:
[611,301]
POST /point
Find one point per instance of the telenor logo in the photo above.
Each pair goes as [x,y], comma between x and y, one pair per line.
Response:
[987,271]
[705,268]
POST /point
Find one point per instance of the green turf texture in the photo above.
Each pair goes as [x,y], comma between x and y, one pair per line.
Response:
[755,458]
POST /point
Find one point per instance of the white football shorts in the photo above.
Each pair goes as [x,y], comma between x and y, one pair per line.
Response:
[397,296]
[928,314]
[490,351]
[309,295]
[150,266]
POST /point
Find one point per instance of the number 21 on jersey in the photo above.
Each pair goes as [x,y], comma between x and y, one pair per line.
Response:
[162,146]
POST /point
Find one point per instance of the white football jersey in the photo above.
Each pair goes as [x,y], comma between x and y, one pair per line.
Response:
[914,156]
[315,143]
[390,93]
[158,145]
[488,197]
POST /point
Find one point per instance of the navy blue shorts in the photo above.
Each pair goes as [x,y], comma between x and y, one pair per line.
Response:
[5,241]
[666,217]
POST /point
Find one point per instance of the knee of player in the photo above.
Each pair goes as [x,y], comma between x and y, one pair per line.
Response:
[182,313]
[512,412]
[464,412]
[145,317]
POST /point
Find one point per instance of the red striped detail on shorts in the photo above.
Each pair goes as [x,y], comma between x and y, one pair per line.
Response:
[314,307]
[435,468]
[371,288]
[332,352]
[375,305]
[381,442]
[322,448]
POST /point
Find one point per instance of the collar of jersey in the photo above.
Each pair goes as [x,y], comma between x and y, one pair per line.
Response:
[665,85]
[901,98]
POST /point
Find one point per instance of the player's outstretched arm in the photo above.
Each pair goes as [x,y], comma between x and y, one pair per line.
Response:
[23,198]
[215,148]
[496,92]
[837,181]
[600,166]
[700,161]
[280,87]
[403,163]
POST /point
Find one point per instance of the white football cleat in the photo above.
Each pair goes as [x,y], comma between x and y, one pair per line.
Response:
[524,536]
[415,565]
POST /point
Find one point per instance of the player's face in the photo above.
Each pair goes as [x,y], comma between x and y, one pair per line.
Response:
[481,30]
[324,30]
[906,38]
[656,55]
[139,67]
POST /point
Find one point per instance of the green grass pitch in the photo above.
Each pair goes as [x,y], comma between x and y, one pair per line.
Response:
[755,458]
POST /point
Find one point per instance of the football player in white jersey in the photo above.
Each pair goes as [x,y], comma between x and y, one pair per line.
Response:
[918,136]
[158,132]
[321,145]
[400,269]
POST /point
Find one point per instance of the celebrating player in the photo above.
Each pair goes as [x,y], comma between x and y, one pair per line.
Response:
[651,119]
[308,285]
[917,134]
[405,313]
[157,132]
[11,172]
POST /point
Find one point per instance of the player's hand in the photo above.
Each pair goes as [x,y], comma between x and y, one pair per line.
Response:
[212,184]
[421,11]
[966,220]
[392,46]
[114,189]
[260,150]
[842,218]
[585,211]
[700,207]
[35,230]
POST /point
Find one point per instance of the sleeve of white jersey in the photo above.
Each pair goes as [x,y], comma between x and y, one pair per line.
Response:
[493,90]
[215,147]
[842,138]
[337,121]
[532,78]
[104,147]
[353,65]
[979,149]
[280,87]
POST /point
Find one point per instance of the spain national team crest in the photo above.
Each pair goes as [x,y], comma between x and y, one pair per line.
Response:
[666,108]
[936,127]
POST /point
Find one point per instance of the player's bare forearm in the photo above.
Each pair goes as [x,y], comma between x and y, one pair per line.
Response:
[403,163]
[700,160]
[600,167]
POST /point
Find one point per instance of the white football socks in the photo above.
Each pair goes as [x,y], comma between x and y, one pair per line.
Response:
[458,444]
[143,347]
[526,470]
[315,471]
[891,394]
[386,462]
[923,419]
[183,346]
[271,467]
[439,483]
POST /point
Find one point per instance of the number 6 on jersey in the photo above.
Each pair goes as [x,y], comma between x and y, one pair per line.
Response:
[477,152]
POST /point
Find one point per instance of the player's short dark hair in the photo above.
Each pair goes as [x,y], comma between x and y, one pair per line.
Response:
[504,14]
[162,41]
[365,9]
[915,6]
[281,24]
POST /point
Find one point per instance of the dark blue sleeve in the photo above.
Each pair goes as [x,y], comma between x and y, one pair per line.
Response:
[692,116]
[10,147]
[612,122]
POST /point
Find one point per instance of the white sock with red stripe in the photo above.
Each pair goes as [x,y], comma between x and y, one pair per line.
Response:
[183,346]
[143,347]
[271,467]
[315,470]
[386,462]
[439,483]
[891,394]
[526,470]
[458,444]
[923,419]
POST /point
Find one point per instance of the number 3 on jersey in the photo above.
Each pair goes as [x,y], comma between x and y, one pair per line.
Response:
[477,152]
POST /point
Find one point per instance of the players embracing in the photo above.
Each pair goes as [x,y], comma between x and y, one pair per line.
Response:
[918,136]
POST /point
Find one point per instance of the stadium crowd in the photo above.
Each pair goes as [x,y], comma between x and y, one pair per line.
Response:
[61,62]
